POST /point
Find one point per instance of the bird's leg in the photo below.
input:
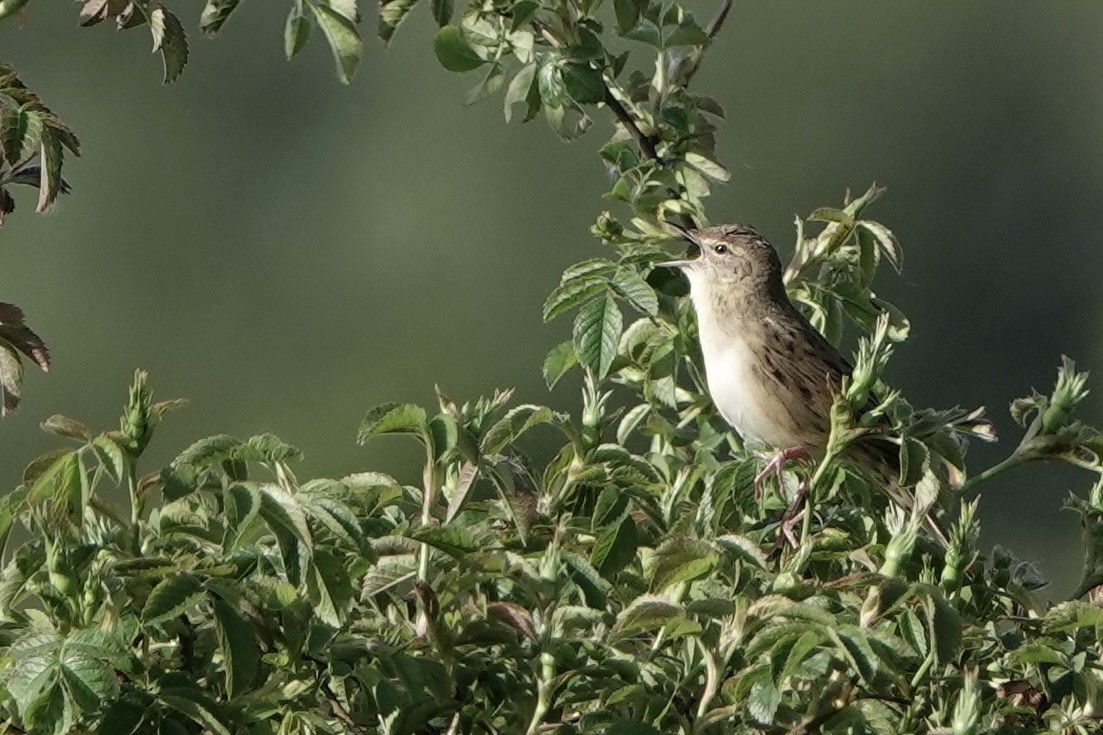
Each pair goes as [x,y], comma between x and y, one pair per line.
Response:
[775,465]
[794,514]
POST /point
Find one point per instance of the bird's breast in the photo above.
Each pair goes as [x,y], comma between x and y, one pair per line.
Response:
[747,402]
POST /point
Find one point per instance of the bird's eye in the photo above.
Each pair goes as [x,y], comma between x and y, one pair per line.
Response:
[719,248]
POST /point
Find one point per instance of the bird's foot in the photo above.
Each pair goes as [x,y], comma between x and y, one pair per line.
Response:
[775,465]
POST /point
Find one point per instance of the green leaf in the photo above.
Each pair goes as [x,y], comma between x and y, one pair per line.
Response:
[943,623]
[914,461]
[491,82]
[50,157]
[628,14]
[1036,653]
[708,167]
[171,597]
[297,30]
[453,540]
[594,589]
[828,214]
[645,613]
[60,489]
[344,40]
[282,510]
[521,89]
[191,702]
[584,268]
[67,427]
[804,645]
[110,456]
[631,420]
[559,360]
[170,39]
[763,701]
[329,589]
[18,132]
[515,423]
[241,507]
[743,549]
[681,560]
[454,52]
[615,547]
[442,11]
[890,246]
[583,83]
[393,418]
[207,452]
[391,15]
[571,294]
[631,286]
[514,487]
[215,13]
[597,329]
[549,81]
[238,643]
[50,713]
[855,648]
[11,378]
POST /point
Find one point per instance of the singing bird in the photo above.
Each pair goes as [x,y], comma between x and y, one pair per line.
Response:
[771,374]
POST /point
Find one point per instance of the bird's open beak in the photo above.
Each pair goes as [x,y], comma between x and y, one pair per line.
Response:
[682,231]
[679,264]
[686,234]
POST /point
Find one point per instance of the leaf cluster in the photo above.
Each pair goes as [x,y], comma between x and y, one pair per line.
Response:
[647,578]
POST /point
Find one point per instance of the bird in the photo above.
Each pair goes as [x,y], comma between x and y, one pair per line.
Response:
[772,376]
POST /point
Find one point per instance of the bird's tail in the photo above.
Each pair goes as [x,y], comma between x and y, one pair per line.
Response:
[879,460]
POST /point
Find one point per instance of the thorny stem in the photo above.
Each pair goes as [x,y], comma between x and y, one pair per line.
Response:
[809,500]
[1013,461]
[712,679]
[544,683]
[430,480]
[135,505]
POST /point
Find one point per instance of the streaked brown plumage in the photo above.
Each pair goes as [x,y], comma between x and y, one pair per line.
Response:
[771,374]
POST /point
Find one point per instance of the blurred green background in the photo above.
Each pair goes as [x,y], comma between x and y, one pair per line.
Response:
[286,252]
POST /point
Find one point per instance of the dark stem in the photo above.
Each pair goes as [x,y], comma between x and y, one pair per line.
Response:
[711,30]
[645,142]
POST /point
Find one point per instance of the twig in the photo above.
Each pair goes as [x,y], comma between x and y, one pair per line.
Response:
[718,19]
[645,142]
[711,31]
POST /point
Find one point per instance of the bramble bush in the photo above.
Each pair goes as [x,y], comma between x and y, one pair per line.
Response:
[633,583]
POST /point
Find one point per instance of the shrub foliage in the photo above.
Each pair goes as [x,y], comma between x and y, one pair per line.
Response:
[635,582]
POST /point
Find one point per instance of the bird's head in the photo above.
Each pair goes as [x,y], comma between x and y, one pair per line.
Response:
[732,256]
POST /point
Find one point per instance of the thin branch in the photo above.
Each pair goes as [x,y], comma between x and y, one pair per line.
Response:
[711,31]
[645,142]
[718,19]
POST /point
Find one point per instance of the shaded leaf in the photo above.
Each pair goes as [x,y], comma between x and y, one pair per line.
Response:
[344,40]
[172,597]
[170,39]
[393,418]
[645,613]
[214,15]
[67,427]
[296,31]
[560,359]
[454,52]
[681,560]
[615,547]
[391,15]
